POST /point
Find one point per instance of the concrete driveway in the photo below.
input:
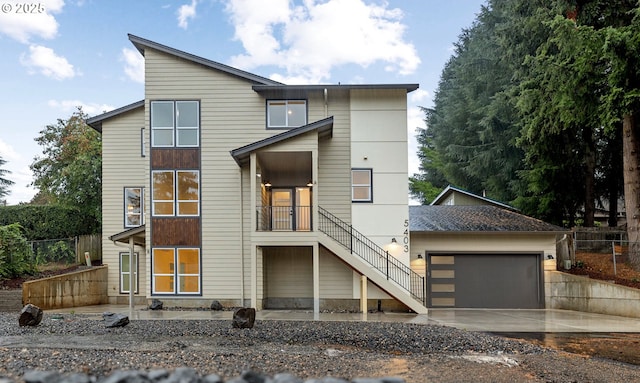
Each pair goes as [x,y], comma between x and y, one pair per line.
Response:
[539,321]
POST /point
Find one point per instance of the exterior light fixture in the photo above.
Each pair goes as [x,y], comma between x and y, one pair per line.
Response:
[267,184]
[310,183]
[393,241]
[419,256]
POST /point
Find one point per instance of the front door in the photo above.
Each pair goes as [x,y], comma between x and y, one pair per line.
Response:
[281,209]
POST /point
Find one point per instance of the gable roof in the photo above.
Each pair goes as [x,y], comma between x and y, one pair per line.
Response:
[141,44]
[476,218]
[96,121]
[452,189]
[324,128]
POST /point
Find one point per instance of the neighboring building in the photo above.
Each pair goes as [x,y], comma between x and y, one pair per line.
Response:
[230,186]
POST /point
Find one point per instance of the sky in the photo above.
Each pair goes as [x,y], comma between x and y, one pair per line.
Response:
[56,55]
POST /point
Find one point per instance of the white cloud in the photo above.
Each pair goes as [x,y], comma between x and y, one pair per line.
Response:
[21,26]
[134,64]
[308,40]
[69,106]
[186,13]
[20,174]
[46,61]
[419,95]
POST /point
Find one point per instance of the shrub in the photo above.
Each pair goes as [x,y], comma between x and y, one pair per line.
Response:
[15,253]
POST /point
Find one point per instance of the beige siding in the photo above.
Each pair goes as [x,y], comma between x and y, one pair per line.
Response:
[232,115]
[334,178]
[288,272]
[335,277]
[478,243]
[122,166]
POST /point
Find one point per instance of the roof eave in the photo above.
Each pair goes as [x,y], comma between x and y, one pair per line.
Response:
[96,122]
[141,44]
[324,128]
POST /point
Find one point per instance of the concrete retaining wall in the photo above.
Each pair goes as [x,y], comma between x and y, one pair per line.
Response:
[81,288]
[578,293]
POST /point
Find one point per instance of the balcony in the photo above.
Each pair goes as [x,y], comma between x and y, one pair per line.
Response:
[284,218]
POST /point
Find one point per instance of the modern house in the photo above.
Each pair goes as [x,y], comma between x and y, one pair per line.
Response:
[229,186]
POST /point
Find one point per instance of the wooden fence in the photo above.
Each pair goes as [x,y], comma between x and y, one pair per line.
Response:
[89,243]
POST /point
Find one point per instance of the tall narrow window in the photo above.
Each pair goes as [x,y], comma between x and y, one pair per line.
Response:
[188,192]
[175,123]
[125,273]
[162,123]
[361,185]
[163,193]
[286,113]
[167,279]
[133,211]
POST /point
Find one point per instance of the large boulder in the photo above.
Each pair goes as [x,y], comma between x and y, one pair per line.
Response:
[30,315]
[156,304]
[216,306]
[244,317]
[115,320]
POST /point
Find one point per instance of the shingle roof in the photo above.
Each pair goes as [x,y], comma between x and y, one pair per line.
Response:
[474,219]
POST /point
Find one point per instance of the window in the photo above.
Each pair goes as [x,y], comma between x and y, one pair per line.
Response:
[361,190]
[286,113]
[165,274]
[175,123]
[176,193]
[125,274]
[133,213]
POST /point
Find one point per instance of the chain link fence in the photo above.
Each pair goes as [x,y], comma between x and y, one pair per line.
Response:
[59,251]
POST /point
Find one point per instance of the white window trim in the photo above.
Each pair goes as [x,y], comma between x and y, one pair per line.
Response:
[369,185]
[126,212]
[178,201]
[176,274]
[153,201]
[286,125]
[125,274]
[175,129]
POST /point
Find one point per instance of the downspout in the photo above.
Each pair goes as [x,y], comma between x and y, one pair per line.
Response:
[326,103]
[241,243]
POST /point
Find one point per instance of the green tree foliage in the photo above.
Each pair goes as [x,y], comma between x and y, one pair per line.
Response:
[70,170]
[48,221]
[5,183]
[530,106]
[15,253]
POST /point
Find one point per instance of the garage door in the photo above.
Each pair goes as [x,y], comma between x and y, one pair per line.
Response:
[485,281]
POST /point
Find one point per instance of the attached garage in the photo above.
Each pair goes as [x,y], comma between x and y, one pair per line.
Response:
[482,256]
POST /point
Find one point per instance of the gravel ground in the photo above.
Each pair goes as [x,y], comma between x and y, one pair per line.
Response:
[308,350]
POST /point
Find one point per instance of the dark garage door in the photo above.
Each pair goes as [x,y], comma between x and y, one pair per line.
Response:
[485,281]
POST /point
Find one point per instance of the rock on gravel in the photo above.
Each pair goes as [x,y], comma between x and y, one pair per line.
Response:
[76,348]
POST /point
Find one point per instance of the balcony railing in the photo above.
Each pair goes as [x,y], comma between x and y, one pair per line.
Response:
[283,218]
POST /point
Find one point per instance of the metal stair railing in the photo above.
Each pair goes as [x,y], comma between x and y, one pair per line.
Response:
[369,251]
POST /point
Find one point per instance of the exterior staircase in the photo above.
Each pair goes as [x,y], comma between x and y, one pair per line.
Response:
[369,259]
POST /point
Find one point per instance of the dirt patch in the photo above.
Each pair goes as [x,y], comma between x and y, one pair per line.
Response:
[45,271]
[600,266]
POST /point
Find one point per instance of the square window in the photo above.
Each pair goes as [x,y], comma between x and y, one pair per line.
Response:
[175,123]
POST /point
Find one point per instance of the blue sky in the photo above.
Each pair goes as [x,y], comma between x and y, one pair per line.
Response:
[58,54]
